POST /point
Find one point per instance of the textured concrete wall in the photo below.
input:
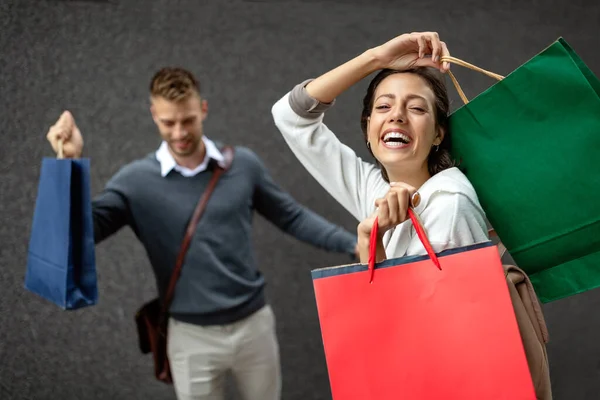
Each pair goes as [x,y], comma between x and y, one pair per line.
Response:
[96,58]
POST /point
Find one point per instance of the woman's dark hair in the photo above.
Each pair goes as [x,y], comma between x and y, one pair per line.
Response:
[439,159]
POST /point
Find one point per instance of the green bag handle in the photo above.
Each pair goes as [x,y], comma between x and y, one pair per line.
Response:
[465,64]
[461,93]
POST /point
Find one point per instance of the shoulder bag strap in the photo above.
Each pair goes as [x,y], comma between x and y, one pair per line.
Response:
[228,153]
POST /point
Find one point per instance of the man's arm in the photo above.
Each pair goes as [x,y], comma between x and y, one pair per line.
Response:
[285,212]
[111,208]
[110,212]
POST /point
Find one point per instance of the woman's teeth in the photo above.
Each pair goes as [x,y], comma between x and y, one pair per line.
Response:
[395,139]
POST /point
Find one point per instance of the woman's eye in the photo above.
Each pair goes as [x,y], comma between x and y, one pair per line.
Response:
[419,109]
[381,107]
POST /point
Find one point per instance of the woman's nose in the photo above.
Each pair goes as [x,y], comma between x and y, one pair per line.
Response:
[397,116]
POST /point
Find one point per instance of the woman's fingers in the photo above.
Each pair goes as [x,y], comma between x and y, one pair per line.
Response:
[402,197]
[429,44]
[383,212]
[445,52]
[409,191]
[392,209]
[408,196]
[393,204]
[422,42]
[436,46]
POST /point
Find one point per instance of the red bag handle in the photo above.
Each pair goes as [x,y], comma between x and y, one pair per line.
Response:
[420,233]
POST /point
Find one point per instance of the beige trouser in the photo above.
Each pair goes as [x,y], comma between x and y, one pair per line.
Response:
[201,355]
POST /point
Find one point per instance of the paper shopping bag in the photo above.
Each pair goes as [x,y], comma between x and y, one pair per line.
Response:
[61,265]
[529,145]
[417,332]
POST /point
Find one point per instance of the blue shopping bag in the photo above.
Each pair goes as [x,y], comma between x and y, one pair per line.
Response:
[61,260]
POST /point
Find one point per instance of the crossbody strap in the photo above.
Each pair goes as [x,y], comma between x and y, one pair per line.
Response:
[228,154]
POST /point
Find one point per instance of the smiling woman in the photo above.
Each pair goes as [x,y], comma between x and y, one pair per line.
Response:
[421,102]
[405,125]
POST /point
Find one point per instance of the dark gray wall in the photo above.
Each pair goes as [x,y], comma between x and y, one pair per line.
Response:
[96,58]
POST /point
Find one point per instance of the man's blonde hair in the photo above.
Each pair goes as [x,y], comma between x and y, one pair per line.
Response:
[174,84]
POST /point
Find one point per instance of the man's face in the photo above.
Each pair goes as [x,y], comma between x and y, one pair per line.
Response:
[180,123]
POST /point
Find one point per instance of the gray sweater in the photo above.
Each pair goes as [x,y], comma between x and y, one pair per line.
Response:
[220,282]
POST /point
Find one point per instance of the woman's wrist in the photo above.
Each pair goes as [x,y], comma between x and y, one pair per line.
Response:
[374,59]
[363,247]
[363,239]
[364,235]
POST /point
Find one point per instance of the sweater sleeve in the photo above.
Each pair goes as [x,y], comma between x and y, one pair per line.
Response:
[280,208]
[110,208]
[354,183]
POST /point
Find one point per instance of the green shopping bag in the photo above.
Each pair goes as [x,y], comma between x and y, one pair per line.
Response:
[530,146]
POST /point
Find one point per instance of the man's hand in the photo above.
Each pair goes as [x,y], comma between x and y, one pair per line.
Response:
[64,137]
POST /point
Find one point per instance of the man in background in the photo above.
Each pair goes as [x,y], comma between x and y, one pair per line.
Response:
[219,318]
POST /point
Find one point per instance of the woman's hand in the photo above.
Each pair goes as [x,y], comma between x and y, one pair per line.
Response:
[401,53]
[391,211]
[364,238]
[410,50]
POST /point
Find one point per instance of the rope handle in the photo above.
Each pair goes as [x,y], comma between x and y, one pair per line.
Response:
[457,61]
[60,153]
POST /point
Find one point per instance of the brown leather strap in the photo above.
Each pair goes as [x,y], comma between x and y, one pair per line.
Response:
[501,247]
[228,153]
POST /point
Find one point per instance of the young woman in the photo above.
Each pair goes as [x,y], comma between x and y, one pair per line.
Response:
[405,127]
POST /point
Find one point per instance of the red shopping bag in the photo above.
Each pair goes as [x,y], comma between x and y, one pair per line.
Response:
[412,329]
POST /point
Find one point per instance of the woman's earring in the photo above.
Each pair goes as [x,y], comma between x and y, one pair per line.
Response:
[437,147]
[368,145]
